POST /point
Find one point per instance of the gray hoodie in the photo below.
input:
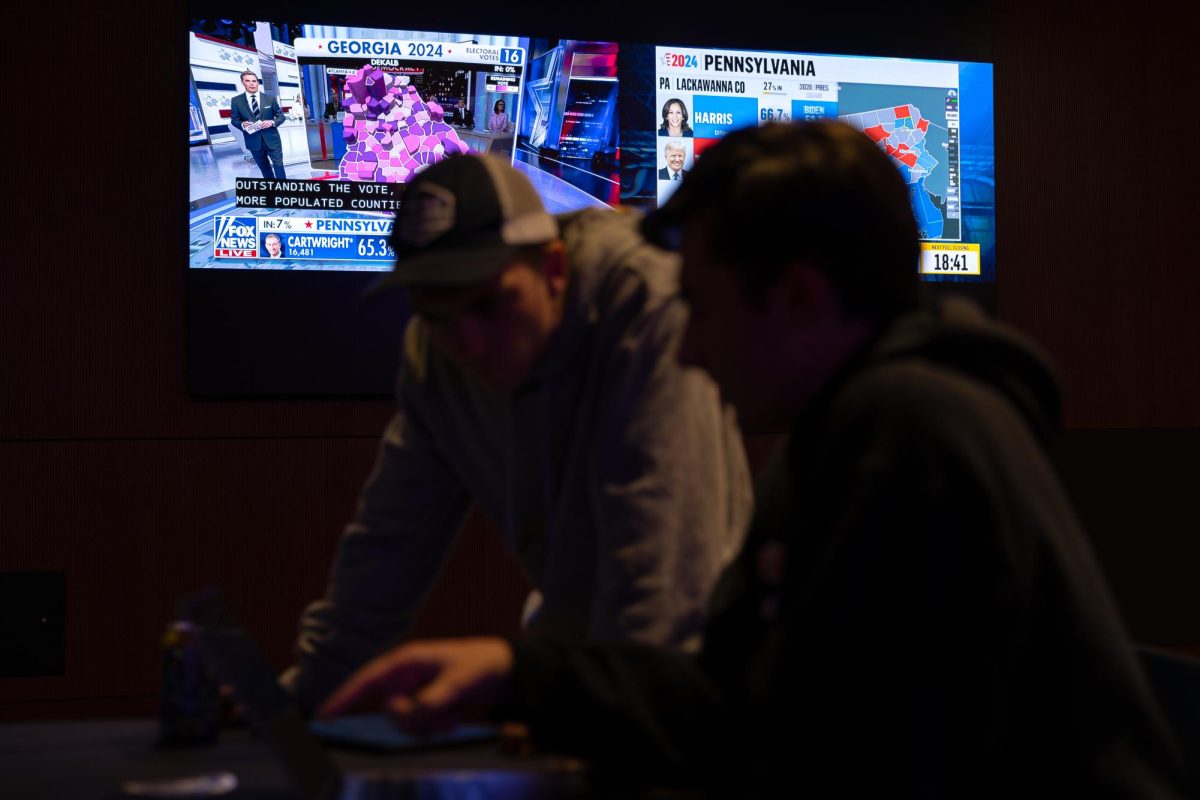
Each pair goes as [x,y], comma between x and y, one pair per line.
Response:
[616,476]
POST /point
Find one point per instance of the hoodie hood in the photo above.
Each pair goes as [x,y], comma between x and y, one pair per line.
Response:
[956,335]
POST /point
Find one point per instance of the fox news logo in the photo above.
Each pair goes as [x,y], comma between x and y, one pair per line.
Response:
[235,237]
[680,60]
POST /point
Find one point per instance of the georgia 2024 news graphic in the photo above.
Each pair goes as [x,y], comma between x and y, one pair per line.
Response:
[394,106]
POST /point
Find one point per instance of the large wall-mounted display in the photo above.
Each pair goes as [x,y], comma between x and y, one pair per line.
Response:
[934,118]
[356,113]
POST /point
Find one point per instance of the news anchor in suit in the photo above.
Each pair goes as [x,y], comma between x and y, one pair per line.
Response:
[264,144]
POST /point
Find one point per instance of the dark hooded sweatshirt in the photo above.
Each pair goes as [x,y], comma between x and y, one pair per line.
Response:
[916,612]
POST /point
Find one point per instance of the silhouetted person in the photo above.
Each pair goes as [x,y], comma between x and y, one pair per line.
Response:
[539,382]
[916,612]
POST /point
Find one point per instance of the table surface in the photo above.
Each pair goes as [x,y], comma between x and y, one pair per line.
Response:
[94,758]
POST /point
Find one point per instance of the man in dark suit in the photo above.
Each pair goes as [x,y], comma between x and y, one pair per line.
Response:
[674,153]
[461,115]
[259,108]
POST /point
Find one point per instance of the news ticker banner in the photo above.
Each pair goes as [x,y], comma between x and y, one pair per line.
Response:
[500,67]
[726,90]
[408,50]
[302,238]
[324,195]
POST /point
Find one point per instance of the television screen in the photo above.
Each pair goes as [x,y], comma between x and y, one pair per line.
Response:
[311,177]
[303,137]
[934,118]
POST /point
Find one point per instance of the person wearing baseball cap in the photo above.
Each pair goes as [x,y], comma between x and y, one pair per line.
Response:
[539,381]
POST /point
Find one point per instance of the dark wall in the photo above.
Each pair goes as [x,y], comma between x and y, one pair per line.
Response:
[1095,194]
[1096,198]
[110,473]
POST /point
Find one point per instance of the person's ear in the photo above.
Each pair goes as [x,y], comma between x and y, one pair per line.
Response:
[554,267]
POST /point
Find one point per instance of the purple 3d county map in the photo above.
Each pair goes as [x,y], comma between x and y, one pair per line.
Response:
[390,132]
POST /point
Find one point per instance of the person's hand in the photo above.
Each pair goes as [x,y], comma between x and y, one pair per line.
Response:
[429,686]
[268,123]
